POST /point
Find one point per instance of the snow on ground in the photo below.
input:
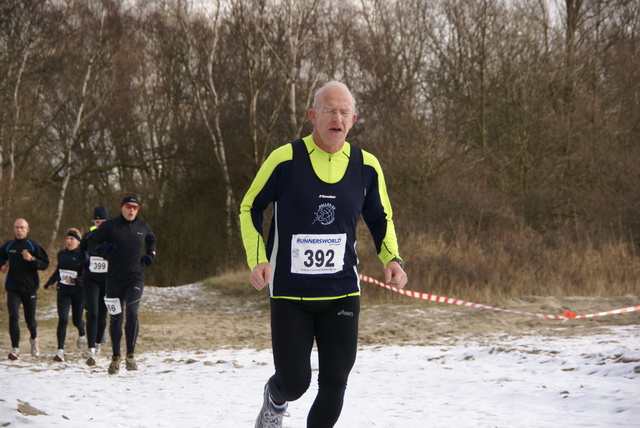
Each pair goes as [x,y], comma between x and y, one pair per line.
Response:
[526,381]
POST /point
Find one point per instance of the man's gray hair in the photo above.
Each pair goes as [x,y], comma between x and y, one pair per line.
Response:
[329,84]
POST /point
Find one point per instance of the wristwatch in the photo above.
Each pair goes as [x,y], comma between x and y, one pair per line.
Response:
[399,261]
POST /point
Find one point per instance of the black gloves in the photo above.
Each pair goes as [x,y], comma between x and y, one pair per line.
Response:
[108,248]
[147,259]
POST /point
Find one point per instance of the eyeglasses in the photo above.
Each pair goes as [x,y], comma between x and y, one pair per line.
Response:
[131,207]
[332,112]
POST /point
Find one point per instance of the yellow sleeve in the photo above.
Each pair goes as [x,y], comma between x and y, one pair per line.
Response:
[378,213]
[261,194]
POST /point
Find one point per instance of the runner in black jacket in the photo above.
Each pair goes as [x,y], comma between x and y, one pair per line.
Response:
[26,258]
[121,240]
[94,282]
[68,275]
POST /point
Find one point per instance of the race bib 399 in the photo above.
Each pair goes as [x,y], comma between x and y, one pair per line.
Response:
[98,265]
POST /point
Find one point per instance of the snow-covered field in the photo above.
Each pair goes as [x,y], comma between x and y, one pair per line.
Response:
[592,381]
[582,375]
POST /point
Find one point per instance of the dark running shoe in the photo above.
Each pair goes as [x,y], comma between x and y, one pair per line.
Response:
[114,367]
[130,362]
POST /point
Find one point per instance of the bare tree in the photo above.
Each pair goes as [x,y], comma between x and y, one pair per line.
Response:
[70,141]
[475,108]
[280,63]
[21,33]
[203,43]
[573,18]
[248,24]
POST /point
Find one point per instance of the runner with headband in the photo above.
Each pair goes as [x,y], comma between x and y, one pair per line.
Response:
[68,276]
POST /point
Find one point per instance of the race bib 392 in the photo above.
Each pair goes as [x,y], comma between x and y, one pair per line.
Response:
[318,254]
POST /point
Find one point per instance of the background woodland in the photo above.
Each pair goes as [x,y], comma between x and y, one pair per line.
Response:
[509,131]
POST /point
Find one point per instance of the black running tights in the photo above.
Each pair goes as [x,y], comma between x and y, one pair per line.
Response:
[75,301]
[130,296]
[294,326]
[96,310]
[28,301]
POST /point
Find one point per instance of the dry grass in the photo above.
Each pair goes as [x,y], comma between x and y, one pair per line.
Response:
[480,270]
[488,270]
[520,265]
[515,264]
[236,284]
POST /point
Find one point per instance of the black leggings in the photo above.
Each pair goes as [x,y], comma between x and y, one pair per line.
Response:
[294,326]
[28,301]
[94,292]
[75,301]
[130,296]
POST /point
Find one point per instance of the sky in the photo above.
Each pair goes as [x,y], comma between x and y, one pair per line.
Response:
[590,379]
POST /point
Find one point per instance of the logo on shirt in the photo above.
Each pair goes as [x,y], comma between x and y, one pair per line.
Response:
[326,214]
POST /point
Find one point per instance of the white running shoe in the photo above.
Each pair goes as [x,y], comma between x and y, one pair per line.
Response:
[91,357]
[82,342]
[270,415]
[35,348]
[14,354]
[59,357]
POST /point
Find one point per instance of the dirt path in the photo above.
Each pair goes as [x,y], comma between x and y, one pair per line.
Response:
[196,318]
[207,320]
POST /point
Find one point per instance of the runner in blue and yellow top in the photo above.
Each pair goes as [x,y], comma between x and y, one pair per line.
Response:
[319,187]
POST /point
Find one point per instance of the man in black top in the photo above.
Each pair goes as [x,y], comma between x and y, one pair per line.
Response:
[121,240]
[25,258]
[94,286]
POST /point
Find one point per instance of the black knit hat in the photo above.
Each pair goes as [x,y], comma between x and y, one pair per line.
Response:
[100,213]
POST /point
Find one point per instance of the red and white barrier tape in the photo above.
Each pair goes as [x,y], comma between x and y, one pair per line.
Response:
[564,317]
[573,315]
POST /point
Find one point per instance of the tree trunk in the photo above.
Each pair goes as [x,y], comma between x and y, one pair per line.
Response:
[68,167]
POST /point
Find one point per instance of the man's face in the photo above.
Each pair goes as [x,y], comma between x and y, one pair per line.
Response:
[20,229]
[97,223]
[332,118]
[129,210]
